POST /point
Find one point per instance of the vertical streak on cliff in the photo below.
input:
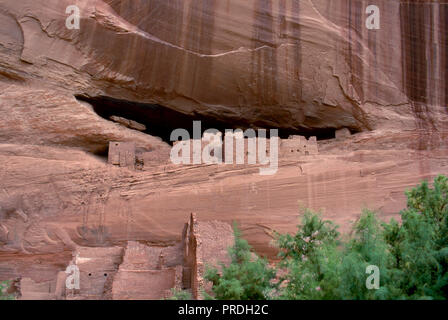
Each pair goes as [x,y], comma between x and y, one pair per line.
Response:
[443,36]
[264,69]
[372,41]
[170,10]
[358,72]
[200,31]
[289,30]
[160,18]
[173,11]
[355,52]
[431,48]
[413,18]
[353,55]
[283,27]
[282,34]
[175,66]
[415,60]
[349,28]
[297,48]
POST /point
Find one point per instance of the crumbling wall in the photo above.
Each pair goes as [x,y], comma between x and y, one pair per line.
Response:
[247,151]
[298,145]
[97,269]
[239,152]
[125,154]
[147,160]
[122,154]
[244,151]
[140,271]
[31,290]
[144,274]
[190,256]
[206,244]
[194,152]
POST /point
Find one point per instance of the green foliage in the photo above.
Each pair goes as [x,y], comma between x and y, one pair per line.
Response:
[420,244]
[177,294]
[248,277]
[412,256]
[4,285]
[367,247]
[310,257]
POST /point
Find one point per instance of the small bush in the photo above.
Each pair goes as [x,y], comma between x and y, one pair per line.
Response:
[4,286]
[180,295]
[248,277]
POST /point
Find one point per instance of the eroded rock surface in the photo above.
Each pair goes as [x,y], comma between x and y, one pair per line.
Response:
[309,67]
[308,64]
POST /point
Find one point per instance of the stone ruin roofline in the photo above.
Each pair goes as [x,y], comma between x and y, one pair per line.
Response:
[124,154]
[300,143]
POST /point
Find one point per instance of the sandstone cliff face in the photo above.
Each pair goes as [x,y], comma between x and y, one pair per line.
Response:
[308,66]
[305,64]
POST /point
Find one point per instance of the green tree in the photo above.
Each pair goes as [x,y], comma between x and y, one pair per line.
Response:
[367,247]
[4,285]
[248,277]
[310,258]
[420,244]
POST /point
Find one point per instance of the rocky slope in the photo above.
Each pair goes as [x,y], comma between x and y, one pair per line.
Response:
[308,66]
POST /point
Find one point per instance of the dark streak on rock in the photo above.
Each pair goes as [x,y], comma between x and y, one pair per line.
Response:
[413,18]
[264,69]
[444,49]
[356,25]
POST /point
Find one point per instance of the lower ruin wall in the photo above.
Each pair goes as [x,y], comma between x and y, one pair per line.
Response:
[139,271]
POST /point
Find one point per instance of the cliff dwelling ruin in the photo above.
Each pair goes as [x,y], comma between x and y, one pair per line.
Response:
[139,271]
[124,154]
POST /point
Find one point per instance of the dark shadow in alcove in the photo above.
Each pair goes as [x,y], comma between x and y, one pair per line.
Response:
[160,121]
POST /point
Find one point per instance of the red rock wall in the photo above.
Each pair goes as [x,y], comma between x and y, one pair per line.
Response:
[308,64]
